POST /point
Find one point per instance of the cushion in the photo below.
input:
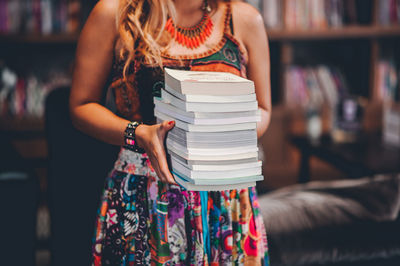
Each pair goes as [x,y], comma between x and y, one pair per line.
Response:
[332,222]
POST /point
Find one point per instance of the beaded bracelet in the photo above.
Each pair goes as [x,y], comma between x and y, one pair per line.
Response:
[130,137]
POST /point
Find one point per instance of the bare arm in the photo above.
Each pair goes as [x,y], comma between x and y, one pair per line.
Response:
[93,62]
[94,58]
[249,28]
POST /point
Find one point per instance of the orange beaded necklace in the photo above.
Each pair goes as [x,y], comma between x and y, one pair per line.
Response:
[191,37]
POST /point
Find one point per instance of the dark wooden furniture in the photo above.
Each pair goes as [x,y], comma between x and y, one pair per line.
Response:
[367,156]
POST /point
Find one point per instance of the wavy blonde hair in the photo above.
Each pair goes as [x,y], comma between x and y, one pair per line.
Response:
[141,30]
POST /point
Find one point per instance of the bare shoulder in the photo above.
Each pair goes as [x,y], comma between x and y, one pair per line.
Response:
[104,13]
[246,16]
[248,25]
[107,7]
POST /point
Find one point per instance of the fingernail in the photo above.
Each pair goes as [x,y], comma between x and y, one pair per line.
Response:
[171,122]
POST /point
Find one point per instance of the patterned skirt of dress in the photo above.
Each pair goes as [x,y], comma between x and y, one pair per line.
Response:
[142,221]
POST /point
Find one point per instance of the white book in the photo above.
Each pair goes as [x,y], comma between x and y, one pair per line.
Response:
[242,164]
[212,151]
[189,186]
[207,82]
[208,107]
[182,152]
[159,103]
[209,121]
[212,144]
[204,128]
[206,164]
[202,118]
[216,181]
[214,136]
[215,174]
[211,98]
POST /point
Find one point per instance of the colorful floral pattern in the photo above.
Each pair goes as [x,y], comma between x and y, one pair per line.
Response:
[142,221]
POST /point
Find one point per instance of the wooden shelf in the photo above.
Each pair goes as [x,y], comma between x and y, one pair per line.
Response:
[10,124]
[62,38]
[348,32]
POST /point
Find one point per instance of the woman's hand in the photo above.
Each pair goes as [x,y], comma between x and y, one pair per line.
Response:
[151,138]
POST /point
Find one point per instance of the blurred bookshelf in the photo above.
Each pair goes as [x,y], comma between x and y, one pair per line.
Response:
[60,38]
[351,45]
[37,46]
[347,32]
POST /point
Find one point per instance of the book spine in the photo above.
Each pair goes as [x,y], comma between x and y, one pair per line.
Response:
[384,17]
[46,14]
[3,16]
[398,11]
[37,16]
[290,14]
[350,12]
[392,12]
[335,13]
[271,13]
[56,16]
[306,86]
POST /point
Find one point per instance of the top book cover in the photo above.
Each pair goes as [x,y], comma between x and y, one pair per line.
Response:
[207,83]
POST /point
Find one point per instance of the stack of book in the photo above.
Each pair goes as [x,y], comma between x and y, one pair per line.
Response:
[213,145]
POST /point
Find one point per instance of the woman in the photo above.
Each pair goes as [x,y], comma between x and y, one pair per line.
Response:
[145,217]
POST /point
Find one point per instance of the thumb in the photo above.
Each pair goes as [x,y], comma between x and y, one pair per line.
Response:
[167,126]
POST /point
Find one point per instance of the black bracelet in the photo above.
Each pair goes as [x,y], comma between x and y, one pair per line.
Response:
[130,137]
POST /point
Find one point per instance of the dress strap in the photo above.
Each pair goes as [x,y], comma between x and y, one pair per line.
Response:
[228,27]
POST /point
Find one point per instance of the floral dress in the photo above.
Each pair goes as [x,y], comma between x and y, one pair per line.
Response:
[142,221]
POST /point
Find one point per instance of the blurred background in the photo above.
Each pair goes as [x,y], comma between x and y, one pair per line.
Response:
[331,194]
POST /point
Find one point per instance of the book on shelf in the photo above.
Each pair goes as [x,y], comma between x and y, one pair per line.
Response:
[387,80]
[272,13]
[389,12]
[306,86]
[213,145]
[40,16]
[24,96]
[321,14]
[391,124]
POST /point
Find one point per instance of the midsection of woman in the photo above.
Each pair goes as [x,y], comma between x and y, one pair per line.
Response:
[145,218]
